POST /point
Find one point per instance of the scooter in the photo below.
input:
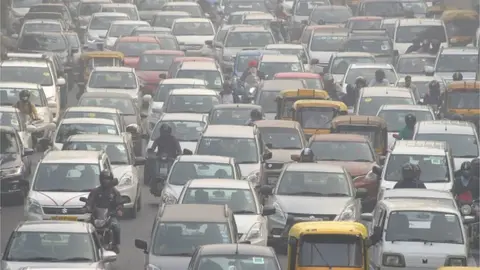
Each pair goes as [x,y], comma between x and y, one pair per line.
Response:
[101,220]
[160,171]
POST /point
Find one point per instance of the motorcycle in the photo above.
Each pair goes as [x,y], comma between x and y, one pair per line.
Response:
[161,167]
[470,207]
[101,220]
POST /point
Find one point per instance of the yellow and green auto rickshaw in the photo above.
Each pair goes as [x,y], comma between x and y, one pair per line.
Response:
[286,98]
[94,59]
[461,26]
[461,98]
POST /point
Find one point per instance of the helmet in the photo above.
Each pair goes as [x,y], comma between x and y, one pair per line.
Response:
[328,78]
[307,155]
[252,63]
[434,85]
[380,74]
[360,80]
[255,114]
[475,167]
[105,178]
[457,76]
[466,166]
[24,95]
[410,120]
[350,88]
[165,130]
[408,78]
[409,172]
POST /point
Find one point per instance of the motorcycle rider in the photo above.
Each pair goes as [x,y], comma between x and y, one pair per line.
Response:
[282,16]
[360,83]
[26,107]
[407,132]
[466,179]
[307,155]
[457,76]
[255,115]
[416,45]
[107,196]
[435,46]
[167,143]
[251,70]
[425,46]
[350,99]
[379,79]
[433,95]
[227,96]
[331,87]
[410,177]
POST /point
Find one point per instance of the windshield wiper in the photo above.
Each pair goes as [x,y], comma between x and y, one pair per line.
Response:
[247,162]
[58,189]
[75,259]
[290,148]
[466,156]
[435,181]
[336,195]
[244,212]
[178,254]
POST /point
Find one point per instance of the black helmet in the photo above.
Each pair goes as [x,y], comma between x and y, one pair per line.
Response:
[410,120]
[350,88]
[466,166]
[165,130]
[409,172]
[434,85]
[457,76]
[360,80]
[24,95]
[380,74]
[475,167]
[106,178]
[255,115]
[307,155]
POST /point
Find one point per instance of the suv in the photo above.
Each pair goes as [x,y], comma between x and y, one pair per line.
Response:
[406,30]
[78,171]
[179,227]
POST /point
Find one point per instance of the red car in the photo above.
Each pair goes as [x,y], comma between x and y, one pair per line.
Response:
[313,80]
[133,47]
[152,64]
[364,23]
[179,60]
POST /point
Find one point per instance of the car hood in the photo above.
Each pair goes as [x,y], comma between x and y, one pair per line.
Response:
[8,161]
[448,75]
[446,186]
[131,61]
[97,33]
[150,76]
[247,169]
[120,170]
[132,93]
[195,40]
[312,205]
[354,168]
[170,262]
[19,265]
[323,57]
[245,222]
[283,155]
[59,198]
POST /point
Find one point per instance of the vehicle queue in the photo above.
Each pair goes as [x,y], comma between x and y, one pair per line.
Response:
[283,129]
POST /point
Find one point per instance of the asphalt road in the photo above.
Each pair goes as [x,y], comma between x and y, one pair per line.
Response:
[130,258]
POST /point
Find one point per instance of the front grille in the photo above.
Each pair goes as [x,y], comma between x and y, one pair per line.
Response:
[306,216]
[61,211]
[275,166]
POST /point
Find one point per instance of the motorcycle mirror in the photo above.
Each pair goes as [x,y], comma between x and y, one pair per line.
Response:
[83,199]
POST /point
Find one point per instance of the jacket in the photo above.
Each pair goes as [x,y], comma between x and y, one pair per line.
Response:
[101,197]
[167,144]
[374,82]
[27,108]
[473,186]
[406,133]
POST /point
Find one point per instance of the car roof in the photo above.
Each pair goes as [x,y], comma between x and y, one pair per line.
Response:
[106,95]
[353,54]
[419,21]
[205,159]
[460,50]
[114,69]
[418,205]
[405,107]
[339,138]
[181,4]
[96,138]
[381,91]
[445,127]
[193,92]
[229,131]
[371,65]
[390,20]
[87,120]
[171,13]
[96,1]
[415,192]
[184,81]
[278,85]
[42,21]
[54,226]
[109,14]
[237,249]
[219,183]
[314,167]
[130,22]
[279,58]
[419,148]
[92,109]
[149,39]
[71,157]
[19,85]
[284,46]
[199,65]
[194,213]
[183,117]
[192,20]
[277,123]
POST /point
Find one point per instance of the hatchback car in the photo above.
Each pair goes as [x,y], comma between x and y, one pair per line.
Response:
[207,71]
[406,30]
[272,64]
[199,101]
[98,27]
[121,28]
[115,80]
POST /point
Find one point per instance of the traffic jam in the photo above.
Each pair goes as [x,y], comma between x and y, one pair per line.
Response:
[239,134]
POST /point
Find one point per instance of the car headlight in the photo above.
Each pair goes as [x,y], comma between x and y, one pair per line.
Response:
[12,171]
[394,260]
[254,232]
[347,214]
[152,267]
[34,207]
[126,180]
[456,261]
[466,209]
[169,198]
[279,217]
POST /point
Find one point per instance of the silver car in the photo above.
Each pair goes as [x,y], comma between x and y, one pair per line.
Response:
[192,33]
[98,27]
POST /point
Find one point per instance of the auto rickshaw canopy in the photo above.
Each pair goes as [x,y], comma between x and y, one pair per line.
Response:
[328,227]
[359,120]
[459,14]
[463,86]
[307,103]
[300,93]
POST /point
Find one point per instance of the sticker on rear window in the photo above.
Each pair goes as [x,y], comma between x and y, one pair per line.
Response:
[91,115]
[367,100]
[46,74]
[258,260]
[218,82]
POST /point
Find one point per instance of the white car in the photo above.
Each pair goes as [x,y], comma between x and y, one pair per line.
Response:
[406,30]
[372,98]
[296,49]
[98,27]
[192,100]
[124,167]
[192,33]
[367,71]
[270,64]
[121,28]
[241,197]
[129,9]
[42,25]
[420,194]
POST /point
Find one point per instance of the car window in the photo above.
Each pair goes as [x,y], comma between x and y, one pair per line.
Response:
[406,34]
[244,150]
[182,172]
[9,144]
[10,96]
[240,201]
[368,74]
[247,261]
[71,114]
[9,119]
[463,145]
[155,62]
[229,116]
[370,105]
[182,130]
[396,118]
[457,63]
[125,106]
[193,29]
[340,64]
[67,130]
[191,104]
[434,169]
[328,43]
[135,49]
[75,177]
[115,80]
[341,251]
[42,27]
[415,65]
[117,152]
[314,183]
[248,39]
[43,42]
[281,138]
[342,151]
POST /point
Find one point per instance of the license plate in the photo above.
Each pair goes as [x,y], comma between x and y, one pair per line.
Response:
[69,218]
[163,171]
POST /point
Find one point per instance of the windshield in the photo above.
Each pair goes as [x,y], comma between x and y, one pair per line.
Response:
[189,131]
[463,146]
[422,86]
[342,151]
[327,43]
[87,9]
[243,6]
[135,49]
[194,11]
[411,65]
[182,172]
[28,74]
[396,118]
[340,64]
[331,250]
[125,106]
[419,7]
[212,77]
[315,117]
[384,9]
[192,29]
[368,74]
[231,116]
[156,62]
[8,143]
[267,101]
[10,96]
[371,105]
[406,34]
[112,80]
[272,68]
[42,27]
[67,130]
[462,27]
[457,63]
[281,138]
[464,100]
[249,39]
[298,52]
[118,30]
[303,183]
[131,12]
[117,153]
[331,15]
[246,261]
[369,132]
[304,8]
[166,21]
[240,201]
[434,169]
[35,247]
[73,114]
[374,46]
[104,22]
[178,239]
[43,42]
[262,21]
[25,3]
[149,5]
[424,226]
[365,24]
[67,177]
[9,119]
[163,89]
[241,61]
[245,151]
[191,104]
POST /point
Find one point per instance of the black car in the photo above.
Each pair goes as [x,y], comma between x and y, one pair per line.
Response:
[15,165]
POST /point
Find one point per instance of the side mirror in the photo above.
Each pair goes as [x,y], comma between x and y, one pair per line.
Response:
[52,103]
[109,256]
[295,157]
[267,155]
[61,81]
[382,160]
[31,128]
[209,43]
[28,151]
[132,128]
[361,193]
[139,161]
[187,152]
[147,98]
[83,199]
[268,210]
[377,170]
[266,190]
[162,76]
[366,216]
[140,244]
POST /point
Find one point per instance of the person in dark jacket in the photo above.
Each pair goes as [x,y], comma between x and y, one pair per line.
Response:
[457,76]
[410,177]
[167,143]
[227,96]
[350,99]
[255,115]
[360,83]
[433,95]
[425,47]
[307,155]
[416,45]
[435,46]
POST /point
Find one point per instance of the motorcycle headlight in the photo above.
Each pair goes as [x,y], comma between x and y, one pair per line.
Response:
[456,261]
[152,267]
[279,217]
[126,181]
[12,171]
[254,232]
[347,214]
[394,260]
[34,207]
[466,209]
[169,198]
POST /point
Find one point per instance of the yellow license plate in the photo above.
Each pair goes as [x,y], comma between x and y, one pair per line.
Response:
[69,218]
[92,115]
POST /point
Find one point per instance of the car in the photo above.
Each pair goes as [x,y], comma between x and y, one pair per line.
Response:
[421,83]
[41,26]
[411,223]
[461,136]
[330,14]
[323,43]
[121,28]
[240,196]
[364,23]
[300,12]
[283,139]
[451,60]
[380,46]
[188,167]
[434,158]
[244,143]
[308,30]
[231,114]
[209,71]
[133,46]
[372,98]
[177,228]
[340,61]
[370,8]
[226,254]
[192,33]
[129,9]
[395,115]
[313,80]
[11,117]
[42,237]
[192,8]
[272,64]
[166,18]
[16,165]
[267,93]
[178,61]
[51,199]
[191,100]
[96,112]
[414,64]
[124,164]
[55,8]
[257,18]
[148,9]
[292,49]
[212,48]
[85,11]
[98,25]
[355,153]
[327,193]
[240,9]
[389,25]
[406,30]
[155,31]
[426,195]
[367,71]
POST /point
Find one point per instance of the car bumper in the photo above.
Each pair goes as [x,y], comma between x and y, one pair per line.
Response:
[130,193]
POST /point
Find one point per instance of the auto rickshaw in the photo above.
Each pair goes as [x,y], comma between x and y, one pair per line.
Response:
[286,98]
[315,116]
[462,98]
[309,245]
[373,127]
[461,26]
[94,59]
